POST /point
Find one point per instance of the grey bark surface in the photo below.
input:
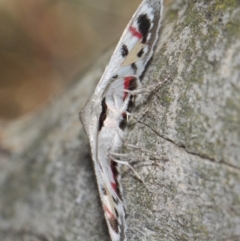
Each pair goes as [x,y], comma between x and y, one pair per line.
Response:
[186,147]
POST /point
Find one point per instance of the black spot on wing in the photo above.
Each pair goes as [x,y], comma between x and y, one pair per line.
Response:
[133,84]
[131,103]
[115,76]
[114,168]
[103,114]
[140,53]
[123,122]
[134,67]
[124,50]
[144,24]
[114,224]
[104,190]
[116,212]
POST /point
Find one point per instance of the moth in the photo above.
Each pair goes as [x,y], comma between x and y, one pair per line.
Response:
[105,115]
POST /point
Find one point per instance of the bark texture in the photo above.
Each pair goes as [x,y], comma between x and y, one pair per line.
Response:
[186,147]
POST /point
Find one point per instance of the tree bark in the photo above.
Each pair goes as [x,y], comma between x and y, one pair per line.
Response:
[186,147]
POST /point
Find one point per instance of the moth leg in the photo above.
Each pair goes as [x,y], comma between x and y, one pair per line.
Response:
[136,147]
[127,164]
[112,154]
[153,156]
[131,83]
[135,118]
[147,89]
[125,104]
[129,114]
[140,100]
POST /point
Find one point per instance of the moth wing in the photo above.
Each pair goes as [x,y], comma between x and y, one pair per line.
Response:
[111,201]
[129,59]
[136,45]
[113,207]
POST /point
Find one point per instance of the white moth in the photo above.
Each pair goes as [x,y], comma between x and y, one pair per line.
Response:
[104,117]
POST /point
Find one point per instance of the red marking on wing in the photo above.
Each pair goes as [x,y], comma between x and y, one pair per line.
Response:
[135,33]
[112,216]
[127,81]
[114,186]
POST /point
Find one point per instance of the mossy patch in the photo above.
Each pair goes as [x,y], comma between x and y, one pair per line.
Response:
[223,5]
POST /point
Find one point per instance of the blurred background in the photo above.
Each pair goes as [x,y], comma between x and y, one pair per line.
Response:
[46,44]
